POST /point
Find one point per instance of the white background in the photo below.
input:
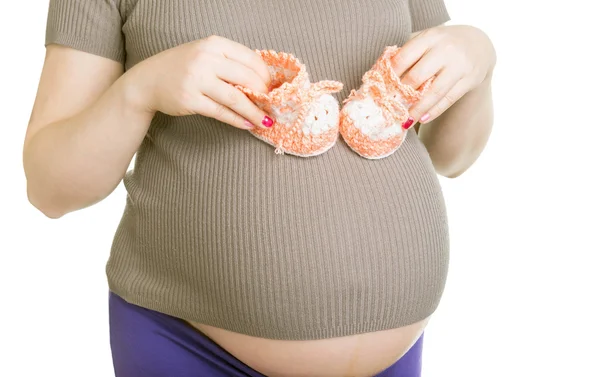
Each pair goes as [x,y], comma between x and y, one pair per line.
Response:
[523,291]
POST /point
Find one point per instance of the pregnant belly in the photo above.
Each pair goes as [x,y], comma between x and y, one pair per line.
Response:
[362,355]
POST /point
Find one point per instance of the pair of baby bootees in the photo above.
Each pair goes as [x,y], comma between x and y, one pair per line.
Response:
[308,119]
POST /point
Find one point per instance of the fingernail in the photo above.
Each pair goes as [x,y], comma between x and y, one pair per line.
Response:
[248,124]
[267,121]
[425,117]
[408,123]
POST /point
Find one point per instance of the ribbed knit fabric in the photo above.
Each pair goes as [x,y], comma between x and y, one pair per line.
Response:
[220,230]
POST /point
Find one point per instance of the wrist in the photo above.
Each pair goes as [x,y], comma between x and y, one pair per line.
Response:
[489,59]
[491,53]
[137,92]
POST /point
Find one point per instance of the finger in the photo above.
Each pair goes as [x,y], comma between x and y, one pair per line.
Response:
[210,108]
[238,52]
[238,74]
[410,54]
[450,98]
[428,66]
[230,97]
[439,89]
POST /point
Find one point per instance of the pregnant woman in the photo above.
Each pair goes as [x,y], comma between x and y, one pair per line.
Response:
[230,259]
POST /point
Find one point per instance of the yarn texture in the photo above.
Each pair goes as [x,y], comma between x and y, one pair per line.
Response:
[306,114]
[307,117]
[372,116]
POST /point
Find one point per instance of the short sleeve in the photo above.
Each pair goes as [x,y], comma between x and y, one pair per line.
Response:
[93,26]
[427,13]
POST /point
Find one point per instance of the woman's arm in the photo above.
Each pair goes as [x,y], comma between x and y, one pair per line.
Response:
[89,118]
[457,137]
[456,113]
[83,131]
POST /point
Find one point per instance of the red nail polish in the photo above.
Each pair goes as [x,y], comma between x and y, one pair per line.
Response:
[408,123]
[267,121]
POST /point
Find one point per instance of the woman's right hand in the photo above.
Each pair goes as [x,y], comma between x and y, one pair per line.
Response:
[199,78]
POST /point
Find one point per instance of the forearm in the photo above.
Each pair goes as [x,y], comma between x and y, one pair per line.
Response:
[77,162]
[456,138]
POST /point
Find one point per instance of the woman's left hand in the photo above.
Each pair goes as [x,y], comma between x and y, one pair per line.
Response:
[460,57]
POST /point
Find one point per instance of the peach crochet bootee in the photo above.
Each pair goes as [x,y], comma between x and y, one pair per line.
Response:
[307,117]
[306,114]
[372,116]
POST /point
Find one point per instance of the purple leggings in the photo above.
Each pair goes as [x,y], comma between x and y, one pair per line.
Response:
[146,343]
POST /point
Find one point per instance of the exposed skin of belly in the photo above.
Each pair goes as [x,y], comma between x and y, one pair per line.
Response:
[362,355]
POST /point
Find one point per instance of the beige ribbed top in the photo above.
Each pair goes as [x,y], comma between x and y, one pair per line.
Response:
[219,229]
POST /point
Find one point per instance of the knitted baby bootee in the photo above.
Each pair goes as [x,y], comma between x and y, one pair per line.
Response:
[372,116]
[306,115]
